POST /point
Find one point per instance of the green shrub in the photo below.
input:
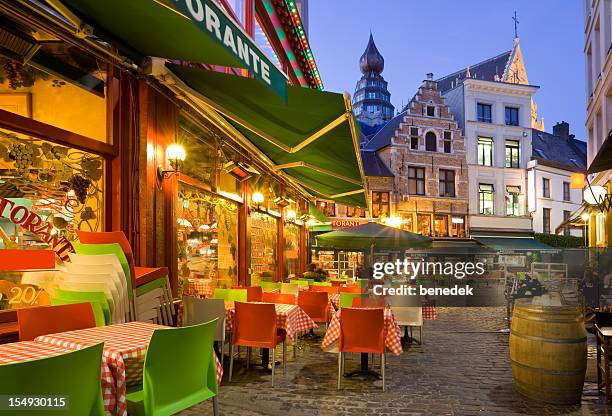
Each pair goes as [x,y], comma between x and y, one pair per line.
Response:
[561,241]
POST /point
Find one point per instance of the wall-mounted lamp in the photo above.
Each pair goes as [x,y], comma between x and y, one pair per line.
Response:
[239,170]
[257,198]
[175,155]
[290,216]
[282,202]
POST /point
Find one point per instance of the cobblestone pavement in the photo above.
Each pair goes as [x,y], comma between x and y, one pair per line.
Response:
[462,369]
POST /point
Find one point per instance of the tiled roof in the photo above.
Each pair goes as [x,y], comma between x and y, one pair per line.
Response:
[373,165]
[485,70]
[385,134]
[369,131]
[570,153]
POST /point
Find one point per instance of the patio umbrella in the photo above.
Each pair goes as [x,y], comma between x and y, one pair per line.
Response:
[372,236]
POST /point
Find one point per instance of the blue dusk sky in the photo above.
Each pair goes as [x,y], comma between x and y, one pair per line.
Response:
[442,36]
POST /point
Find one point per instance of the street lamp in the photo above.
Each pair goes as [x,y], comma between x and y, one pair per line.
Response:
[175,155]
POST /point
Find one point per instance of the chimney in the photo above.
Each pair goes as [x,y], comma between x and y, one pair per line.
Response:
[562,130]
[430,76]
[429,82]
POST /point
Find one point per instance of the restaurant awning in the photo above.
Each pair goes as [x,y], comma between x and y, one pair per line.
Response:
[316,214]
[380,236]
[603,159]
[186,30]
[313,137]
[506,244]
[575,218]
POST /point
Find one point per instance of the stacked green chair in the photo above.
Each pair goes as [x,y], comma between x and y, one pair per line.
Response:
[362,283]
[321,284]
[75,375]
[269,285]
[346,299]
[300,282]
[99,303]
[190,377]
[237,295]
[221,293]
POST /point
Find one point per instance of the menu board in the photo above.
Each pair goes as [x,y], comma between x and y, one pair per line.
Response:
[263,244]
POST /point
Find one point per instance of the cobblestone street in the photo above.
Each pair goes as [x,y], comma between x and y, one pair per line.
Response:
[462,369]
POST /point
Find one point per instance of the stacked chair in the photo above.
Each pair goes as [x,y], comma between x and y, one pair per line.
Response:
[148,289]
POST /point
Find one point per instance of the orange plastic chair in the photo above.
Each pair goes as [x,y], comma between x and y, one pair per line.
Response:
[43,320]
[369,302]
[255,326]
[254,294]
[350,289]
[287,299]
[21,260]
[109,237]
[315,304]
[337,283]
[332,290]
[361,331]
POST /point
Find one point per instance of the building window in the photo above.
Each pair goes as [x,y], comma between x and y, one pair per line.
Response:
[566,216]
[416,181]
[514,200]
[566,191]
[545,187]
[447,182]
[447,141]
[485,151]
[431,111]
[546,220]
[483,112]
[512,154]
[380,204]
[512,116]
[407,222]
[458,227]
[327,208]
[414,138]
[440,226]
[485,199]
[355,212]
[600,228]
[431,140]
[424,224]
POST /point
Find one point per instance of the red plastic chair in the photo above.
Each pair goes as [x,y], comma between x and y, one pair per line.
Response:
[337,283]
[332,290]
[350,289]
[254,294]
[43,320]
[361,331]
[287,299]
[23,260]
[369,302]
[255,326]
[315,304]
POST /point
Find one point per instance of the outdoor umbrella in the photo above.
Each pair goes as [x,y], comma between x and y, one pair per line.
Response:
[371,236]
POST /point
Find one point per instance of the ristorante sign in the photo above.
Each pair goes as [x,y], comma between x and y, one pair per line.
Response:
[214,21]
[346,223]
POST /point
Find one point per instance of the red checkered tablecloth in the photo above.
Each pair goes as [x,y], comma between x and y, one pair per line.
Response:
[291,318]
[429,311]
[125,346]
[201,287]
[393,339]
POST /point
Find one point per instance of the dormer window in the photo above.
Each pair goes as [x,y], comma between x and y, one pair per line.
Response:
[431,111]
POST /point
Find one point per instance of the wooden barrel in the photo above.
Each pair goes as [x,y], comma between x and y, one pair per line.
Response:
[548,351]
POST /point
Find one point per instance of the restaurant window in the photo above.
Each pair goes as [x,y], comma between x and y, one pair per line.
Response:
[431,142]
[440,225]
[424,224]
[261,39]
[514,200]
[485,151]
[447,141]
[414,138]
[380,204]
[263,235]
[600,228]
[237,8]
[447,183]
[512,154]
[407,222]
[545,187]
[546,220]
[566,191]
[566,216]
[355,212]
[431,111]
[416,180]
[483,113]
[207,237]
[327,208]
[200,147]
[291,249]
[457,226]
[512,116]
[485,199]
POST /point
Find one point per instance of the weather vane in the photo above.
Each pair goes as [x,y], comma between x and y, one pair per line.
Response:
[516,22]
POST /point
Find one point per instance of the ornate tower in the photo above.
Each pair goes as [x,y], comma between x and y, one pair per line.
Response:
[372,101]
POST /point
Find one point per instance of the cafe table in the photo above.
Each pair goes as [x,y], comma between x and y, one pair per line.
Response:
[125,347]
[429,311]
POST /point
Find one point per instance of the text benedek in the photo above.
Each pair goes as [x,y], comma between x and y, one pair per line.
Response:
[405,290]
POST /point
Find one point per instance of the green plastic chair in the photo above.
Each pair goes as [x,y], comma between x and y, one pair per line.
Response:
[321,284]
[189,378]
[310,281]
[300,282]
[269,285]
[102,312]
[266,279]
[362,282]
[221,293]
[238,295]
[346,299]
[75,374]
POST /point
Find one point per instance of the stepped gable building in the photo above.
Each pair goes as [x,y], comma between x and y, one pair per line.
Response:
[424,148]
[372,101]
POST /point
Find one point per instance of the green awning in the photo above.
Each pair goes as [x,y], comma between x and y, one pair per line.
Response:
[313,137]
[195,31]
[364,236]
[506,244]
[320,228]
[316,213]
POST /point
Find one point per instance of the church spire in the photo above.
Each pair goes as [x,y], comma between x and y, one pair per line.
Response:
[371,61]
